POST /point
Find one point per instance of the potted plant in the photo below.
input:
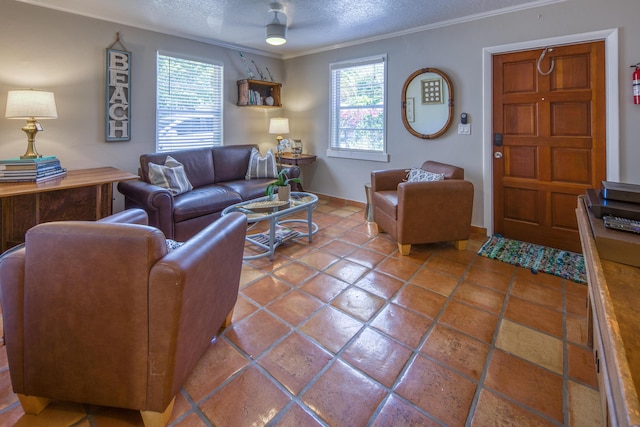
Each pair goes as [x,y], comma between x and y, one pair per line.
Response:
[283,184]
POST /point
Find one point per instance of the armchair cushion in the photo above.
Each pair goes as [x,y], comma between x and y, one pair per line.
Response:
[171,176]
[262,167]
[421,175]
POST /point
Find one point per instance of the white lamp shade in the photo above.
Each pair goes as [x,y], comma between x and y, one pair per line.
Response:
[25,104]
[279,125]
[276,27]
[276,34]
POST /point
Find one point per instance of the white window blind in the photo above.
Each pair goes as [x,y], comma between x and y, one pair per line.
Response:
[189,104]
[358,106]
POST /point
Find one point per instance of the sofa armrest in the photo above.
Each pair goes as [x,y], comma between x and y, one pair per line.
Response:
[387,180]
[293,172]
[156,201]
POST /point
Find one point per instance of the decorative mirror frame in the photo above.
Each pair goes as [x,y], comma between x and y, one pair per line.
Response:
[407,120]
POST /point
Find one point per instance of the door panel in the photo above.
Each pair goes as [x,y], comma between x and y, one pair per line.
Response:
[553,144]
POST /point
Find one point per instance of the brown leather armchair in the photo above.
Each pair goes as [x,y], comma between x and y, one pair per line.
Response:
[102,313]
[423,212]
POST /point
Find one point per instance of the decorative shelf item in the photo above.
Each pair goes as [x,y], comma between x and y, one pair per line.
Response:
[296,147]
[258,93]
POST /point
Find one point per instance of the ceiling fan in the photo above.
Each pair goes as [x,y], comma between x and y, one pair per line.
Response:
[276,27]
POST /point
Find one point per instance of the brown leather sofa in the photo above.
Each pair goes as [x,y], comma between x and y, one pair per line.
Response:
[102,313]
[218,178]
[423,212]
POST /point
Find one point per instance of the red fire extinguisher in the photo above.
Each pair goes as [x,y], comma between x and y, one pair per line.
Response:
[636,84]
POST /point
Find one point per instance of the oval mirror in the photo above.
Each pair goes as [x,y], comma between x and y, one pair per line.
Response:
[427,103]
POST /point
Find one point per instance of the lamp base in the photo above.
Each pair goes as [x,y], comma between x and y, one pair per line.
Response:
[31,129]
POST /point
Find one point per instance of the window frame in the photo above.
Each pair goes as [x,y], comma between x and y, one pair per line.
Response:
[216,112]
[334,111]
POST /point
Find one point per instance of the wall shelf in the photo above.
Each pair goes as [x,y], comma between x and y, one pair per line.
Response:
[254,93]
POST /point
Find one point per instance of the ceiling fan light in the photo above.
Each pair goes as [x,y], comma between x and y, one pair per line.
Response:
[276,34]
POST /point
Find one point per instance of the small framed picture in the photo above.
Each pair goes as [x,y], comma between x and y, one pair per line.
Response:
[431,91]
[410,109]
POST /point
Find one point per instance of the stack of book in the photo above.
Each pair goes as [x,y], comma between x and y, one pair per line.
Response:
[31,170]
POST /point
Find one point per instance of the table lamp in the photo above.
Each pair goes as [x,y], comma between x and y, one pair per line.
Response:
[31,105]
[279,125]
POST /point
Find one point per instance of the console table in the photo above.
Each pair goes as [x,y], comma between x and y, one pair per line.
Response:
[299,160]
[614,298]
[84,194]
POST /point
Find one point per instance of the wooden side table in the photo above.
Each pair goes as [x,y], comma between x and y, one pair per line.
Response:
[299,160]
[84,194]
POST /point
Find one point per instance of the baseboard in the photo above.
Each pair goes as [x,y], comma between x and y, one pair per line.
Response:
[339,201]
[478,230]
[344,202]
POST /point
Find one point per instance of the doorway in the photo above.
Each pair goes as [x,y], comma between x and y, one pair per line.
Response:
[550,152]
[549,140]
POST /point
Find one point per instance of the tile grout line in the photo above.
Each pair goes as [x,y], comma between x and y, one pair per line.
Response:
[487,362]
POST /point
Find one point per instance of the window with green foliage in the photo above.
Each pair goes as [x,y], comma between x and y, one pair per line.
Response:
[358,109]
[188,104]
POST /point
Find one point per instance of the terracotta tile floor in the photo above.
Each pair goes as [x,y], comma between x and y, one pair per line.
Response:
[346,332]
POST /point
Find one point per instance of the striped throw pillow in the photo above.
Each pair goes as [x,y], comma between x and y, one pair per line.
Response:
[171,176]
[262,167]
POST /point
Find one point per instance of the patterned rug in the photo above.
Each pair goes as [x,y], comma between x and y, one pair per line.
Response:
[565,264]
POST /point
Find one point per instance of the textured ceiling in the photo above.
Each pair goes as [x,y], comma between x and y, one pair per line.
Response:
[313,25]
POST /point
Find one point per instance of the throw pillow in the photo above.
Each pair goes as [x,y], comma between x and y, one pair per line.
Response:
[262,167]
[172,244]
[421,175]
[171,176]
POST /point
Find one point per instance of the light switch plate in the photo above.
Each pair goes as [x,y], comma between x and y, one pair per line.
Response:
[464,129]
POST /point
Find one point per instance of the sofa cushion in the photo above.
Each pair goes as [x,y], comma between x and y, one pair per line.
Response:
[171,176]
[421,175]
[203,201]
[198,164]
[248,189]
[231,161]
[262,167]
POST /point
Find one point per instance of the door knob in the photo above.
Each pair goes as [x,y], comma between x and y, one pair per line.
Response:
[497,155]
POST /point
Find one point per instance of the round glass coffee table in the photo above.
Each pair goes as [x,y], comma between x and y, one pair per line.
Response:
[273,211]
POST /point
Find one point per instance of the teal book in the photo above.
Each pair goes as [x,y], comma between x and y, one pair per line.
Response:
[18,160]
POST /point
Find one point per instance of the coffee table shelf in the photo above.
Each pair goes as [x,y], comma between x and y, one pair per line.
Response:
[264,209]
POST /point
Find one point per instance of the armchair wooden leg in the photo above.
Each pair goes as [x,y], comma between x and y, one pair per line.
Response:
[461,245]
[227,320]
[33,405]
[158,419]
[404,249]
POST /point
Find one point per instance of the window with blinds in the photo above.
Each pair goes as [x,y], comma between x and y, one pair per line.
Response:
[358,108]
[188,104]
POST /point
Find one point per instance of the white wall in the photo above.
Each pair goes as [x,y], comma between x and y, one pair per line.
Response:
[458,51]
[45,49]
[65,53]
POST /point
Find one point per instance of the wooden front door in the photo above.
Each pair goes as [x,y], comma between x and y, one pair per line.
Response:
[549,141]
